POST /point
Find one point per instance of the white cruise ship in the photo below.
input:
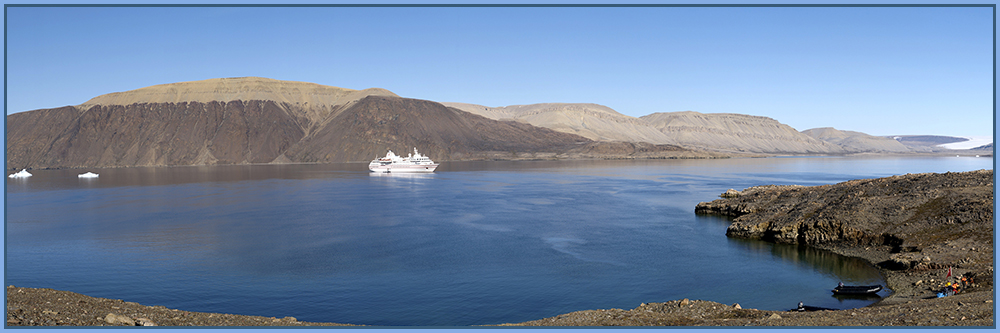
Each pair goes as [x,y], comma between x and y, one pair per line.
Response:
[393,163]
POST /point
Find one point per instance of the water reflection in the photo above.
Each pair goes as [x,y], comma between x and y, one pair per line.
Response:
[851,271]
[831,267]
[402,175]
[869,298]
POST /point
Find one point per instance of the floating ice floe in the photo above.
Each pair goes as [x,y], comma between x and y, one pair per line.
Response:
[87,175]
[20,174]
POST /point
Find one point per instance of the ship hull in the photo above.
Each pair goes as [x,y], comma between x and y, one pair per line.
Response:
[396,168]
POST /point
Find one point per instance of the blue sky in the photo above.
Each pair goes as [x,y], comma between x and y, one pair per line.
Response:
[882,71]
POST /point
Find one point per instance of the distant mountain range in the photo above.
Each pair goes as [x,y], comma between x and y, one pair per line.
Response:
[717,132]
[258,120]
[857,141]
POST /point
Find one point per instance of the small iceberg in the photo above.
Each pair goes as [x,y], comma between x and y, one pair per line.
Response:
[21,174]
[87,175]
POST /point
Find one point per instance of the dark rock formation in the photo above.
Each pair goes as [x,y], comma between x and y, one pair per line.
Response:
[914,228]
[911,211]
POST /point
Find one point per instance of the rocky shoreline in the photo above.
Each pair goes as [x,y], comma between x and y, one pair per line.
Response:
[911,227]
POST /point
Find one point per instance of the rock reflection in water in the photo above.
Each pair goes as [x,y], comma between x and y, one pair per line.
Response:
[834,267]
[851,271]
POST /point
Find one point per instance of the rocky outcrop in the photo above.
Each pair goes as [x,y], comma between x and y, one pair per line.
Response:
[737,133]
[913,213]
[857,141]
[914,228]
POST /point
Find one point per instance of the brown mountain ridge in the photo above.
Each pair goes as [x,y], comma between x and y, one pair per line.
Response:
[258,120]
[725,133]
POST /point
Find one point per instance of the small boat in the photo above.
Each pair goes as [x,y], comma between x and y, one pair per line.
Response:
[393,163]
[88,175]
[856,290]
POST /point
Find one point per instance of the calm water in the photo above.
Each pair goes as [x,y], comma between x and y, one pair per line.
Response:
[474,243]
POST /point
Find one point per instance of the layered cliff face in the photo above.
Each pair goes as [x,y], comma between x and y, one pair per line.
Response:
[736,132]
[857,141]
[592,121]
